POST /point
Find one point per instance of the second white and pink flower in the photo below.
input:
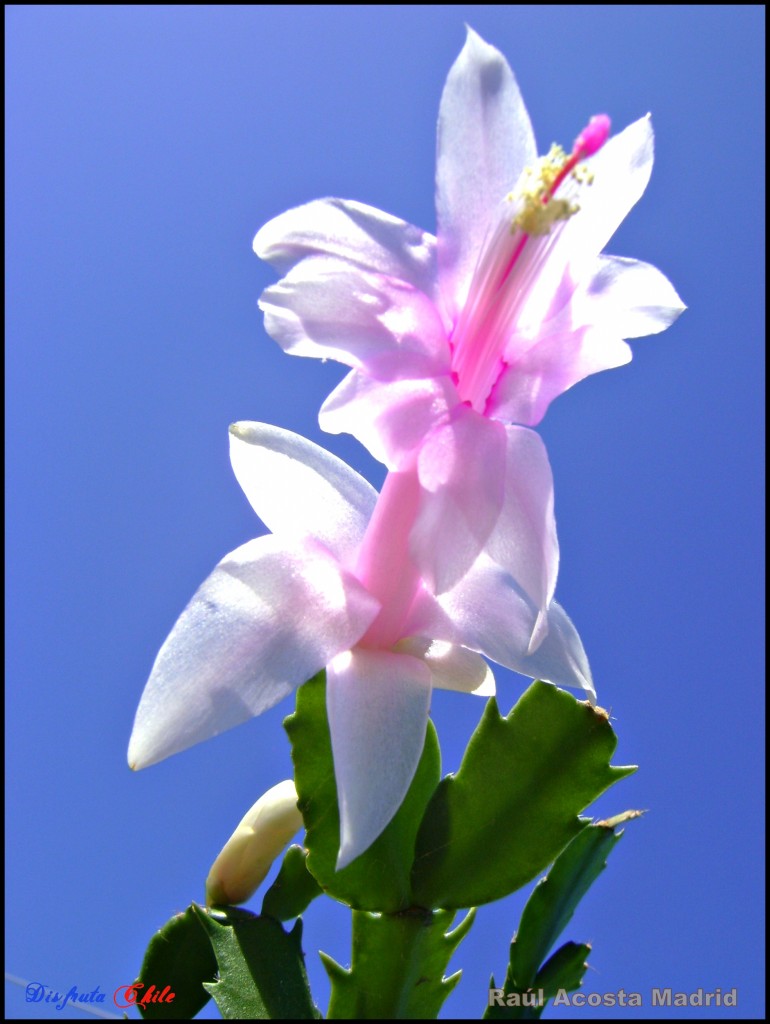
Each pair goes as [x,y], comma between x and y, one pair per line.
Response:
[335,586]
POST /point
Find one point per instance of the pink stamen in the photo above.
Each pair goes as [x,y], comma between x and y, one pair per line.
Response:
[514,256]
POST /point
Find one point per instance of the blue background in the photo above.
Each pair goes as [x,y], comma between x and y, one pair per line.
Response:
[146,145]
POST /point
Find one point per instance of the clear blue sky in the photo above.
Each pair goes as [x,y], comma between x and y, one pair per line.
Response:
[146,145]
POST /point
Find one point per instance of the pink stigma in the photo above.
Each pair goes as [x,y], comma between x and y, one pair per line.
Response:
[593,136]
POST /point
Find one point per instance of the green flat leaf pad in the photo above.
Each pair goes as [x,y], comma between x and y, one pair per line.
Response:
[546,914]
[261,967]
[555,897]
[179,957]
[563,971]
[514,803]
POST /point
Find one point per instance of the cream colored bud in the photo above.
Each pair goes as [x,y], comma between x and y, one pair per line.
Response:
[250,851]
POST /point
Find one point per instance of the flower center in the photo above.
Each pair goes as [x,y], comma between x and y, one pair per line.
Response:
[512,260]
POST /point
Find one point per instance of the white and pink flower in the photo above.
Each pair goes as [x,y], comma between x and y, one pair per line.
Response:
[459,342]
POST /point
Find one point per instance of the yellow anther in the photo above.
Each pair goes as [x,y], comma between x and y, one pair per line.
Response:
[582,175]
[537,218]
[539,208]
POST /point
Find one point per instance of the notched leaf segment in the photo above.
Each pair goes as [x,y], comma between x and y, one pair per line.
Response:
[515,802]
[528,985]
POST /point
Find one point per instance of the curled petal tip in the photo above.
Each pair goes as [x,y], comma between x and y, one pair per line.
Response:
[539,631]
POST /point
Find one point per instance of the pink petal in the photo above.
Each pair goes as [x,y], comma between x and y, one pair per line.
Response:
[526,388]
[384,564]
[488,487]
[377,703]
[329,309]
[618,298]
[298,489]
[485,141]
[524,539]
[352,231]
[264,621]
[462,469]
[391,418]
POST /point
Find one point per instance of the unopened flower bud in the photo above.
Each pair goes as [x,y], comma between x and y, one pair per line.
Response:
[250,851]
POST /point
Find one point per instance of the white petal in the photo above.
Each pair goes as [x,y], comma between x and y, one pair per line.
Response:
[264,621]
[361,234]
[485,141]
[298,489]
[378,705]
[621,170]
[452,667]
[329,309]
[561,658]
[628,298]
[487,612]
